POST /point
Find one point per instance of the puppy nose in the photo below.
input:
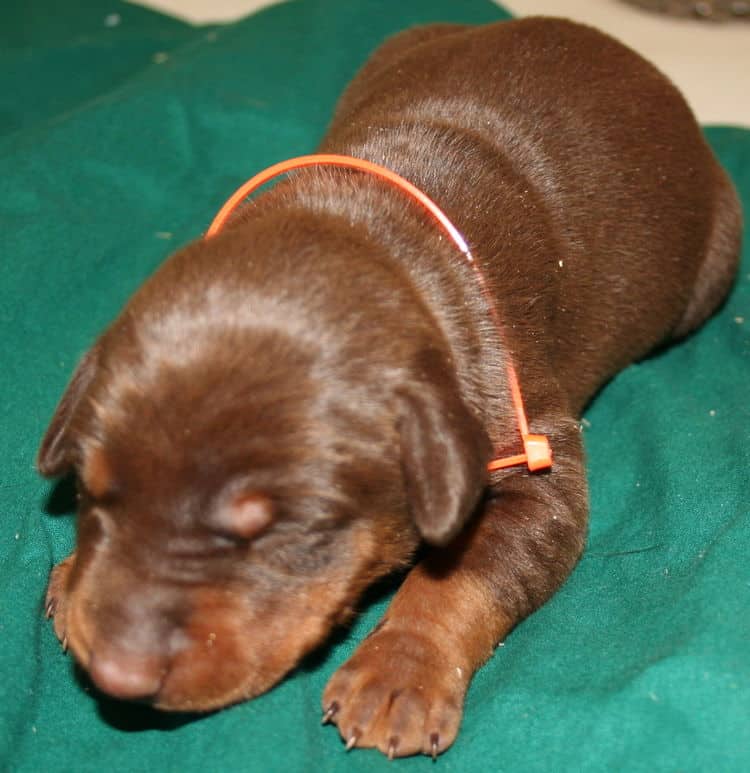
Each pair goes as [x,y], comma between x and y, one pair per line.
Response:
[127,675]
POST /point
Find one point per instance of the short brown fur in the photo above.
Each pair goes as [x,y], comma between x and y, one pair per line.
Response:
[331,356]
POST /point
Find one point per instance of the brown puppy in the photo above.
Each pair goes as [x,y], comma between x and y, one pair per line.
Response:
[282,413]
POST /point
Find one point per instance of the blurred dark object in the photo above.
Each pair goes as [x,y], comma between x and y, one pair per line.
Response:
[713,10]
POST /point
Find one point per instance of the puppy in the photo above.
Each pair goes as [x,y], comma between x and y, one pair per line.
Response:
[284,412]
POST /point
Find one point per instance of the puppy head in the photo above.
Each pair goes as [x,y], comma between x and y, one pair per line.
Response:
[239,488]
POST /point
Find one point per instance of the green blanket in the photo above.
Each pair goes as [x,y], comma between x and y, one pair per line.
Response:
[121,132]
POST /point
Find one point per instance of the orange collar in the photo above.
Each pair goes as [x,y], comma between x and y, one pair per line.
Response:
[537,454]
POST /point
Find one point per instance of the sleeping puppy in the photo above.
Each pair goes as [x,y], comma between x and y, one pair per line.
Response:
[285,412]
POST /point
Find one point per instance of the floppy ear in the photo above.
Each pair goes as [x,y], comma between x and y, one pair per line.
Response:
[54,457]
[444,455]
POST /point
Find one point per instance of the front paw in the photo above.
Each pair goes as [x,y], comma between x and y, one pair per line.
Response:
[401,692]
[55,602]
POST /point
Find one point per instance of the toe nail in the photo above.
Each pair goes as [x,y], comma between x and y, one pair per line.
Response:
[353,738]
[434,743]
[49,609]
[64,643]
[392,746]
[329,713]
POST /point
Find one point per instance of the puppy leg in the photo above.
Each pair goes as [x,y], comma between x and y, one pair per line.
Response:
[386,55]
[719,269]
[403,689]
[55,601]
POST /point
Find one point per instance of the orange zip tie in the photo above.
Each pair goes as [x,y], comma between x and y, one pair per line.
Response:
[537,454]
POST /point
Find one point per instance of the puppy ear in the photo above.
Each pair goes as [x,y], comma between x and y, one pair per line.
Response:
[444,455]
[54,457]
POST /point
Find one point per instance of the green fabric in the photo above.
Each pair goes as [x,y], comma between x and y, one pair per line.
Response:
[119,142]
